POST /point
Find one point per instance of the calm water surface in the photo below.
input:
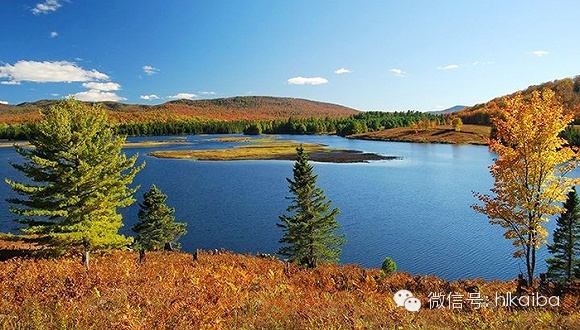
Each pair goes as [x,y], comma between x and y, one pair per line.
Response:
[415,210]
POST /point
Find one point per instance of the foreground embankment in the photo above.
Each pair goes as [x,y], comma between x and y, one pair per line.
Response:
[229,291]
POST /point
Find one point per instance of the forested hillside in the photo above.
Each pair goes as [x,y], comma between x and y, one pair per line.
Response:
[250,115]
[567,91]
[235,108]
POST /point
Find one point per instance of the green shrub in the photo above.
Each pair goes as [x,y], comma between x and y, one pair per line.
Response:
[389,266]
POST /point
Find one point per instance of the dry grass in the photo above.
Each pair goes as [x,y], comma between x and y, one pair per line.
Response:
[229,291]
[232,139]
[469,134]
[264,149]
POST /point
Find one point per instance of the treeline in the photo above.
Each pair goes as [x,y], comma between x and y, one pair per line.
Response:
[15,131]
[476,117]
[359,123]
[572,135]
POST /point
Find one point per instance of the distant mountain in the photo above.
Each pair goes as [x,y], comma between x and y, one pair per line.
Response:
[233,108]
[449,110]
[567,91]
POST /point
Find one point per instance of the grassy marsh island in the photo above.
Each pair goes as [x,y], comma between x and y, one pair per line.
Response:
[270,148]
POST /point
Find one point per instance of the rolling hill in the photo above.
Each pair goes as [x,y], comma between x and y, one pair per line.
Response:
[567,90]
[449,110]
[234,108]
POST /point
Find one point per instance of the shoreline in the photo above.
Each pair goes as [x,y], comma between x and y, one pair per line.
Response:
[443,134]
[377,139]
[469,135]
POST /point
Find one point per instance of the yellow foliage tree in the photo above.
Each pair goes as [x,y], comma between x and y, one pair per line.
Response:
[457,124]
[529,172]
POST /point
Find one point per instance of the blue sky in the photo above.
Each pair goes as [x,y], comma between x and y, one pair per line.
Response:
[369,55]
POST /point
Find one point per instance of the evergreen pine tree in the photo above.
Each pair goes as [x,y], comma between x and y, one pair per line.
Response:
[78,178]
[157,227]
[309,236]
[565,263]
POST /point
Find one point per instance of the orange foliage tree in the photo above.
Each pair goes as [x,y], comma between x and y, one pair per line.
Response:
[529,172]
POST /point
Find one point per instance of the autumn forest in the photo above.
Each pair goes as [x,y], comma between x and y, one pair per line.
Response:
[70,266]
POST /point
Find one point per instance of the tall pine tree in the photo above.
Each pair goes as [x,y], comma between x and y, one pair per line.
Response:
[565,263]
[309,232]
[157,226]
[78,178]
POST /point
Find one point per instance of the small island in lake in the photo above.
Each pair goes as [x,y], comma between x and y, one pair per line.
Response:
[273,149]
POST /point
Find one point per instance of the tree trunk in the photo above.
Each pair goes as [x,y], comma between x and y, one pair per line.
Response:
[311,257]
[533,268]
[86,258]
[141,256]
[522,283]
[569,253]
[313,262]
[530,261]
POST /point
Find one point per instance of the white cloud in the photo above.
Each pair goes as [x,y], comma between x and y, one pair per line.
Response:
[149,70]
[448,67]
[3,102]
[307,81]
[9,82]
[94,95]
[398,72]
[54,34]
[149,97]
[59,72]
[108,86]
[55,94]
[540,53]
[46,7]
[207,93]
[342,70]
[99,92]
[187,96]
[41,72]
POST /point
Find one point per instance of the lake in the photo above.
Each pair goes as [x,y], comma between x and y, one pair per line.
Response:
[415,210]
